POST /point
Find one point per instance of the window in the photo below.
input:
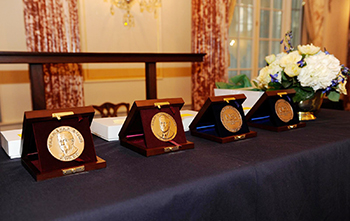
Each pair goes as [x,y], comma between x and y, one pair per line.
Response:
[256,30]
[241,38]
[296,21]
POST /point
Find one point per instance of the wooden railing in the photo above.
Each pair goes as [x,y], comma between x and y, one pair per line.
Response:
[37,59]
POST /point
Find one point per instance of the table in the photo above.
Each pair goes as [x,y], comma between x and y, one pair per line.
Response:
[37,59]
[301,174]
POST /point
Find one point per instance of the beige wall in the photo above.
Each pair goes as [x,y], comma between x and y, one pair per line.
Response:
[102,32]
[14,90]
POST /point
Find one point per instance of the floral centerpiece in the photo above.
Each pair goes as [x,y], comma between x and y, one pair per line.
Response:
[306,69]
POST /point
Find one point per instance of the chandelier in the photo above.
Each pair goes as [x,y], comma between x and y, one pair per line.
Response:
[128,19]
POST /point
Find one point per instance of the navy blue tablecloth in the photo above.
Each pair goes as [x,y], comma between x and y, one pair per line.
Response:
[301,174]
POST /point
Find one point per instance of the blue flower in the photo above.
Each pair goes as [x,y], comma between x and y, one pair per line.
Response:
[274,78]
[287,42]
[345,70]
[301,63]
[326,52]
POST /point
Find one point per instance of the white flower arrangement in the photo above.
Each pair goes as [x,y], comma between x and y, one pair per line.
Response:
[306,70]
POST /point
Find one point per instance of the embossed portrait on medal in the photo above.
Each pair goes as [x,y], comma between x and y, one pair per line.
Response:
[163,126]
[65,143]
[284,110]
[231,118]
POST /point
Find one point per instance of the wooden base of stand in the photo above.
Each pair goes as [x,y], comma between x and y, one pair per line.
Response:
[39,176]
[277,129]
[156,150]
[224,139]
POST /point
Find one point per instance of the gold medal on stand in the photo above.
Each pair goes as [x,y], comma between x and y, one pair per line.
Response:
[163,126]
[284,110]
[231,118]
[65,143]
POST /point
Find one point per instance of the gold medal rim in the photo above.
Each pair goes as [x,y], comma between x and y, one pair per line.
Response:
[290,110]
[224,123]
[154,130]
[71,128]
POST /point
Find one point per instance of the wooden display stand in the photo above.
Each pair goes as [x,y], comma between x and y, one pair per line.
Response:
[137,131]
[208,123]
[38,126]
[264,114]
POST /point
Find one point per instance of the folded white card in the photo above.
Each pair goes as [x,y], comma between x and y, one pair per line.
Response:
[11,142]
[107,128]
[187,118]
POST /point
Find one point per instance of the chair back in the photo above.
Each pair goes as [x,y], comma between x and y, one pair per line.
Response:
[111,110]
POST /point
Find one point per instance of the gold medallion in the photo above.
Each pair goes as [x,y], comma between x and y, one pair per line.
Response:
[65,143]
[231,118]
[284,110]
[163,126]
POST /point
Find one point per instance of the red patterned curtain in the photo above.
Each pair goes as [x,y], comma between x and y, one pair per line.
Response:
[53,26]
[209,35]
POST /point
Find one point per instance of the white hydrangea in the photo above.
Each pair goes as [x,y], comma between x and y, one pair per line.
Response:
[319,71]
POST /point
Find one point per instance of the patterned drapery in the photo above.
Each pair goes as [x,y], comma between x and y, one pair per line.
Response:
[53,26]
[209,35]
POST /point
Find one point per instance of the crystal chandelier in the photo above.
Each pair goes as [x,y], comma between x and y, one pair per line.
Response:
[128,19]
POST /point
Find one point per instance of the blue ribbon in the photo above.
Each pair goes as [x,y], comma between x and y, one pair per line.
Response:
[205,127]
[260,118]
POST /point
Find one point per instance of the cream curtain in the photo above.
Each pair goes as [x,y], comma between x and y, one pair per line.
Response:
[53,26]
[314,17]
[210,22]
[346,99]
[231,10]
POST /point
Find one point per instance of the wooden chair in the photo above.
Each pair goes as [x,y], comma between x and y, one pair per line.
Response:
[111,110]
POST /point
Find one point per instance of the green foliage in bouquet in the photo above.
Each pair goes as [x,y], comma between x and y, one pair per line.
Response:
[236,82]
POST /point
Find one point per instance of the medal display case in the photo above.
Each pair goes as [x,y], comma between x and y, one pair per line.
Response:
[222,119]
[155,127]
[58,142]
[275,111]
